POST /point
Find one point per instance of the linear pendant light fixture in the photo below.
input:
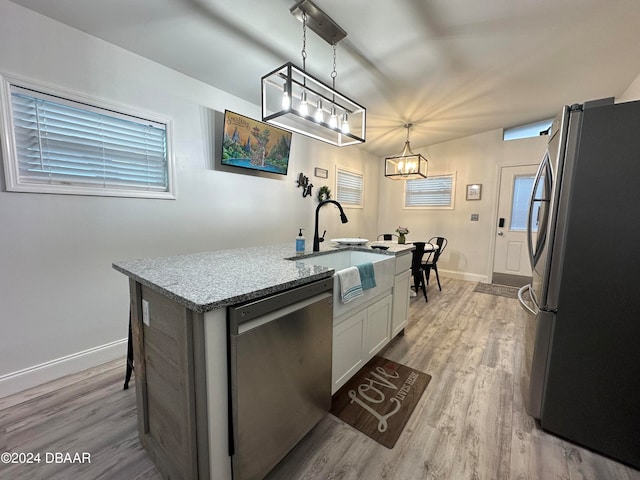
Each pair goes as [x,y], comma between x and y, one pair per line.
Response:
[295,100]
[407,165]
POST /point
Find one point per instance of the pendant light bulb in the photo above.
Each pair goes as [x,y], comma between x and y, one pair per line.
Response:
[286,99]
[333,119]
[345,123]
[304,107]
[319,113]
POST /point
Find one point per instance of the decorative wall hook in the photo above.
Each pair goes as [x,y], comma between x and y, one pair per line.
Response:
[303,181]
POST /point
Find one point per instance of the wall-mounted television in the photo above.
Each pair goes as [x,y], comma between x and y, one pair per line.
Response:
[249,143]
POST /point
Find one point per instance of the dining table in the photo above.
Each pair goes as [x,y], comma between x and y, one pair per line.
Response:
[428,247]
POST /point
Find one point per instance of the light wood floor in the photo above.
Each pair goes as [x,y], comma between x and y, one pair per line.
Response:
[469,424]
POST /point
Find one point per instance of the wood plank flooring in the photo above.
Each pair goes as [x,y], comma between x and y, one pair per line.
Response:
[469,424]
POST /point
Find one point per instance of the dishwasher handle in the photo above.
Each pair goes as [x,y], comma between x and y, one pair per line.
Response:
[259,309]
[248,325]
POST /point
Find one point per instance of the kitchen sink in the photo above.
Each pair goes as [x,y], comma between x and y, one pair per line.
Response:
[383,268]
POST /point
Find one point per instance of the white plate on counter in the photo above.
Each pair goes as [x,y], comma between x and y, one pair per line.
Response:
[350,241]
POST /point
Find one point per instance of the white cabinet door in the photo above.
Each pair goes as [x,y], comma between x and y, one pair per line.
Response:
[377,328]
[347,349]
[400,302]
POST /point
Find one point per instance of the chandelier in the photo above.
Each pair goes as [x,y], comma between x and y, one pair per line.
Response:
[407,165]
[297,101]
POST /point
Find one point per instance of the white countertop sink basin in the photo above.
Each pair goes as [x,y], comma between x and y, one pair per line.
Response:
[345,259]
[383,268]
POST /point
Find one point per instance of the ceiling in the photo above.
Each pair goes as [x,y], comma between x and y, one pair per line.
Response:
[451,67]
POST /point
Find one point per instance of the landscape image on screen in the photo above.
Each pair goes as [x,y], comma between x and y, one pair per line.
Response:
[249,143]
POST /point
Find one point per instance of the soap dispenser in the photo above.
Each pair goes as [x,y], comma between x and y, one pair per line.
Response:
[300,243]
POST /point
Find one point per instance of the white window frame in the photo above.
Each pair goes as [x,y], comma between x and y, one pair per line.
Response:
[13,181]
[528,130]
[345,203]
[451,206]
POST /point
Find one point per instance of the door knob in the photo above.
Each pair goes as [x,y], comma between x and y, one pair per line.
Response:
[500,233]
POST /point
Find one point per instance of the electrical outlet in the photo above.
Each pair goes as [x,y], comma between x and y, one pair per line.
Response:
[145,312]
[475,217]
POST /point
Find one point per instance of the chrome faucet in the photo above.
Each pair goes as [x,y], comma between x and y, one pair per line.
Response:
[316,237]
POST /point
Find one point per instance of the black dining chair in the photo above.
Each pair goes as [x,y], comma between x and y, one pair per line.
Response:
[416,268]
[387,236]
[432,262]
[130,367]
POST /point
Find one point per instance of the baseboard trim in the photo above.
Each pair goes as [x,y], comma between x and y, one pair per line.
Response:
[470,277]
[15,382]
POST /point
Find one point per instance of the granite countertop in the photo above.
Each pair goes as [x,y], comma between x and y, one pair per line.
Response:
[209,280]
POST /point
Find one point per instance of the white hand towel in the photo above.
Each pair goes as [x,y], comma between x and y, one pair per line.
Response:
[350,285]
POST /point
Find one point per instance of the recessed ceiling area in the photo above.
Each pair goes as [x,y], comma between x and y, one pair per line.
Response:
[452,69]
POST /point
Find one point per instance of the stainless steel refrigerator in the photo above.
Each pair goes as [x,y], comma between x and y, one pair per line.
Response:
[583,337]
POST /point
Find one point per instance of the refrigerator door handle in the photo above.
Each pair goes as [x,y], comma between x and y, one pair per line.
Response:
[530,216]
[544,173]
[522,301]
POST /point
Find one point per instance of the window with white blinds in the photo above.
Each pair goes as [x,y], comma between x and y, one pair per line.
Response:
[349,188]
[436,191]
[60,145]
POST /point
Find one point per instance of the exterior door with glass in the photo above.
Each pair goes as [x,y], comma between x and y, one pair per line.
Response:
[511,265]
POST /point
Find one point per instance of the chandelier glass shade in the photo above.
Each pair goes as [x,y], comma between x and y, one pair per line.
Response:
[407,165]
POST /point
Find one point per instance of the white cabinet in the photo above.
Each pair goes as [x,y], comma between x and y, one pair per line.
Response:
[400,313]
[362,332]
[358,337]
[347,349]
[401,285]
[376,334]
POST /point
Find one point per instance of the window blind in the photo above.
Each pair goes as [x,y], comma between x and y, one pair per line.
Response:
[62,142]
[349,188]
[436,191]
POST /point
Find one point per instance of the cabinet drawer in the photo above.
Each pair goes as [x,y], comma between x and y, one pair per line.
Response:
[403,262]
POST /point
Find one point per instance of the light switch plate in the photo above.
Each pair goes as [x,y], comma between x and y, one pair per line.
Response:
[145,312]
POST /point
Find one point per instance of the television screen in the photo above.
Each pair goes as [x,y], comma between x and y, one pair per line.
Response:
[249,143]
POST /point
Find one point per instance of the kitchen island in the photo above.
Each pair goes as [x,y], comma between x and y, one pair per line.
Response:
[181,342]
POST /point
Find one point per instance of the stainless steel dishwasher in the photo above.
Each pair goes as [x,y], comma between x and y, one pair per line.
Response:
[280,374]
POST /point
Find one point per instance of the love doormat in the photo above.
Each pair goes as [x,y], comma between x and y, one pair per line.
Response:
[380,398]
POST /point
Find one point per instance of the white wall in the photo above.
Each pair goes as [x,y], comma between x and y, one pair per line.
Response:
[632,92]
[59,296]
[474,159]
